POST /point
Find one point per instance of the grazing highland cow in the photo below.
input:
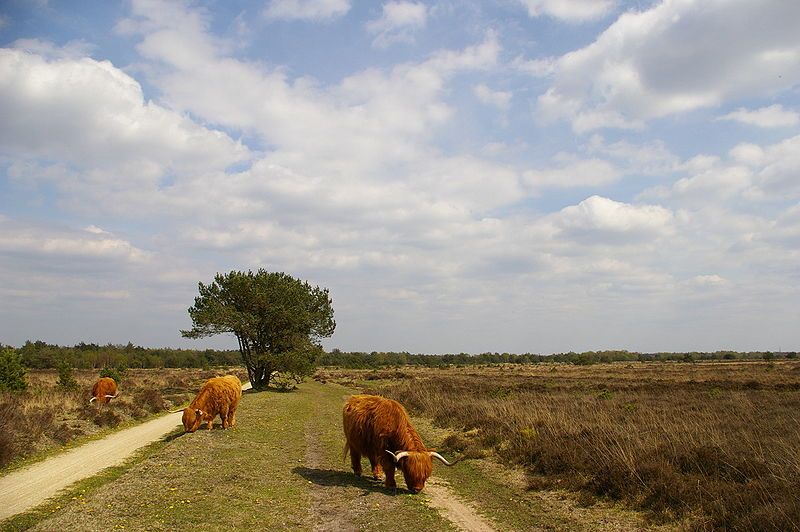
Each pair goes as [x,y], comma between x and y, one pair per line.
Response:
[379,429]
[104,390]
[218,396]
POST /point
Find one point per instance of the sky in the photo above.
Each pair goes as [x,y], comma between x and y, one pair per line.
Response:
[463,176]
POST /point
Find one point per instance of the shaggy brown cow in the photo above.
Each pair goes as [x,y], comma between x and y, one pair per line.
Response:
[104,390]
[379,429]
[218,396]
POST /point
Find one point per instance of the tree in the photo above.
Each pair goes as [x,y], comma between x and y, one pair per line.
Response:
[65,378]
[12,372]
[277,319]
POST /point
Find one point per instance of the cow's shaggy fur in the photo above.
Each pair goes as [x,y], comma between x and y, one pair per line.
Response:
[218,397]
[104,390]
[374,425]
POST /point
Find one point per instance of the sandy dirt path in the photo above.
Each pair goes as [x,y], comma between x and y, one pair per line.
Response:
[27,488]
[459,512]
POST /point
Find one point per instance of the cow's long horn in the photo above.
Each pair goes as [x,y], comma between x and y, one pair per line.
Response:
[445,462]
[398,456]
[112,396]
[92,399]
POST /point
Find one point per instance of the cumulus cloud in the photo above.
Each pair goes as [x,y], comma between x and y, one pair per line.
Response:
[659,62]
[772,116]
[314,10]
[88,112]
[397,23]
[569,10]
[487,96]
[750,172]
[601,219]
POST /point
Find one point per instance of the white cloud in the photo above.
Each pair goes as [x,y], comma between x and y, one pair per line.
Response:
[772,116]
[92,244]
[599,219]
[569,10]
[499,99]
[397,23]
[315,10]
[91,114]
[750,172]
[660,62]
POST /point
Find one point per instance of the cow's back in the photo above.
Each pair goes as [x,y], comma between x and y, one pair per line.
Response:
[217,394]
[373,424]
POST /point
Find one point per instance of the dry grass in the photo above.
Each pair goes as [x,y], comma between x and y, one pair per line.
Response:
[47,416]
[717,444]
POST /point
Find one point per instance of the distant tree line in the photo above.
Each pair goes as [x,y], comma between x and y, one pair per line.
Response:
[40,355]
[376,359]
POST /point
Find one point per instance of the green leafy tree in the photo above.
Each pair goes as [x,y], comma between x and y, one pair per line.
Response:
[277,319]
[12,372]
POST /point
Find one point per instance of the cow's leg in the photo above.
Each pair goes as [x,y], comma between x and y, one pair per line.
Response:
[376,468]
[355,461]
[232,418]
[388,468]
[223,415]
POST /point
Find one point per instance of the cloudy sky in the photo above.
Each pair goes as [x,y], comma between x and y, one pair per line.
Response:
[516,175]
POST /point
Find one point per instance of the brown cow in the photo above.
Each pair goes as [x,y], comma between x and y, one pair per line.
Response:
[218,396]
[104,390]
[379,429]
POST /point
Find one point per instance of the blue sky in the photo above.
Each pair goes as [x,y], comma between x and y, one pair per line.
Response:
[518,175]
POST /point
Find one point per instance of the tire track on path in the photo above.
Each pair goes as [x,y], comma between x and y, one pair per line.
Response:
[459,512]
[324,514]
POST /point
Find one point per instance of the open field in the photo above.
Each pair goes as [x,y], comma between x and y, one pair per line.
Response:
[631,446]
[709,446]
[281,468]
[48,417]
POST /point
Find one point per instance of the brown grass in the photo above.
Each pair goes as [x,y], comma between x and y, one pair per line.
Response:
[47,416]
[717,443]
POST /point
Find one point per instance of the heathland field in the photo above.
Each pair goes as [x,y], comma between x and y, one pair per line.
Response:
[623,446]
[703,445]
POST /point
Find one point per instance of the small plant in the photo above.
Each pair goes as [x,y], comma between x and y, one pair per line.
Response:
[65,378]
[12,372]
[605,395]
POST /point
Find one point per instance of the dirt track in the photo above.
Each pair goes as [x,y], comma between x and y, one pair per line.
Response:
[29,487]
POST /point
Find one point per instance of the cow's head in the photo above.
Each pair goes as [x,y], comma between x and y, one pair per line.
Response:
[192,418]
[417,466]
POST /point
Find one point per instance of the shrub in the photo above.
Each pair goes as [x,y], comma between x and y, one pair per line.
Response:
[65,378]
[12,372]
[151,399]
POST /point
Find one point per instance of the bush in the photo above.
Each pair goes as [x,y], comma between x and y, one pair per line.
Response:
[114,373]
[12,372]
